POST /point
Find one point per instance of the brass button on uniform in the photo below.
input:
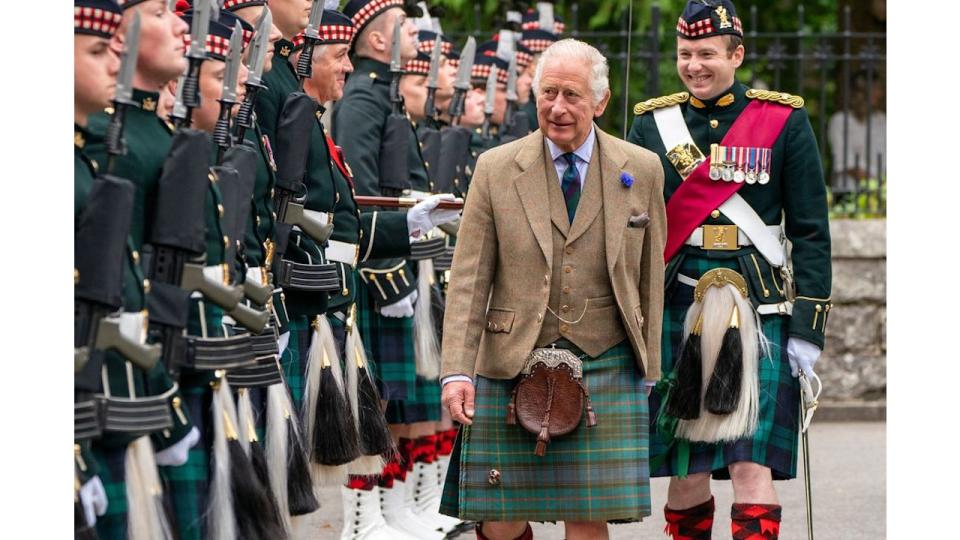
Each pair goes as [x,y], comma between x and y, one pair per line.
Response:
[715,214]
[136,257]
[714,123]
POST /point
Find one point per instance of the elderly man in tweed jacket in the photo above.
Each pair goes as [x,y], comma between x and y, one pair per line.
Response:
[561,245]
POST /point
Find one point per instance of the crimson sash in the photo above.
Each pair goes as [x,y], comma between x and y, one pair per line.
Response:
[337,154]
[758,125]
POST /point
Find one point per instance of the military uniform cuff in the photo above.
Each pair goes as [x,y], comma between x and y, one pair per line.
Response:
[389,285]
[809,319]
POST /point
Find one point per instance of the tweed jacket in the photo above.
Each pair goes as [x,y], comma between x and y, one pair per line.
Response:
[504,255]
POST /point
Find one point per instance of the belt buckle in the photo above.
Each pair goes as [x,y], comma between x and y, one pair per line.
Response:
[720,237]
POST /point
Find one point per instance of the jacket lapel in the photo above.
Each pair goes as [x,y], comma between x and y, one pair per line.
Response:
[532,190]
[615,199]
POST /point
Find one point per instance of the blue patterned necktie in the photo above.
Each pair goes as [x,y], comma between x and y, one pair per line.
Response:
[570,184]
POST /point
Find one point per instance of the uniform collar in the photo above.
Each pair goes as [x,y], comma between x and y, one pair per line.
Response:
[283,48]
[374,69]
[727,99]
[145,100]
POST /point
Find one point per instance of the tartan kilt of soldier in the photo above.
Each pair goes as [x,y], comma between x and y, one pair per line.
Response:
[774,444]
[592,474]
[110,464]
[422,406]
[388,342]
[293,361]
[187,487]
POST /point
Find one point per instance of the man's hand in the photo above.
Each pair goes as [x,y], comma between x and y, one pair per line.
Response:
[423,217]
[458,399]
[400,309]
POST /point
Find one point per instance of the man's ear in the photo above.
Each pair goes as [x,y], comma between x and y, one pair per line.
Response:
[602,106]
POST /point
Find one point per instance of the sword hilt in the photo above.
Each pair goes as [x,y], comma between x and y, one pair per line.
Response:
[456,104]
[486,125]
[244,118]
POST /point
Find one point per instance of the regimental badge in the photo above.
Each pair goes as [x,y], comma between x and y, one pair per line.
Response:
[78,140]
[284,51]
[724,17]
[149,104]
[685,157]
[266,146]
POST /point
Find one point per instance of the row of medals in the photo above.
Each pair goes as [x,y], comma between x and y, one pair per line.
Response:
[740,164]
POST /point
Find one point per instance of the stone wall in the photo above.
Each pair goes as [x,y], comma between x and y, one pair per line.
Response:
[854,362]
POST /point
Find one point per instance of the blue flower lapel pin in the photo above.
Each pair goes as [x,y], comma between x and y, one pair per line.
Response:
[626,178]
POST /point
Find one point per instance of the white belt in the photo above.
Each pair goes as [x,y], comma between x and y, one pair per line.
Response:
[343,252]
[783,308]
[696,238]
[133,326]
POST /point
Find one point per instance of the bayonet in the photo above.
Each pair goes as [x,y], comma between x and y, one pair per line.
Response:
[228,95]
[310,37]
[511,91]
[430,108]
[488,105]
[258,49]
[196,54]
[546,16]
[179,112]
[462,83]
[396,66]
[255,62]
[123,96]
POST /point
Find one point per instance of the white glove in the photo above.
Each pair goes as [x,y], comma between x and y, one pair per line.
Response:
[401,309]
[423,217]
[94,499]
[802,355]
[176,455]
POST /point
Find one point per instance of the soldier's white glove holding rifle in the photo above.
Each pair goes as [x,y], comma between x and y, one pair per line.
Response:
[93,497]
[402,308]
[423,217]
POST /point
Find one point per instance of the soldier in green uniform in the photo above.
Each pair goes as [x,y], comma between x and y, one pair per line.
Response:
[95,68]
[380,145]
[536,36]
[160,60]
[742,174]
[486,59]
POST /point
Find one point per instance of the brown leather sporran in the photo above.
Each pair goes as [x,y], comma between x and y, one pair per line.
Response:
[549,399]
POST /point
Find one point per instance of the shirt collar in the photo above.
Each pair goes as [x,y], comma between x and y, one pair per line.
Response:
[584,153]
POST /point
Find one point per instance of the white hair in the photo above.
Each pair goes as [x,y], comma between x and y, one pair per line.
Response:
[577,50]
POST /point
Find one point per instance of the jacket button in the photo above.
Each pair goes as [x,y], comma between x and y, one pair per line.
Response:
[564,328]
[567,269]
[566,290]
[714,124]
[539,317]
[715,214]
[564,308]
[568,251]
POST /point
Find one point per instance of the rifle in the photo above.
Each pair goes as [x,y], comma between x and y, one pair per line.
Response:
[188,88]
[394,145]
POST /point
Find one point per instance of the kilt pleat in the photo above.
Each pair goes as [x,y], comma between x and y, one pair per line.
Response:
[774,444]
[422,406]
[294,359]
[591,474]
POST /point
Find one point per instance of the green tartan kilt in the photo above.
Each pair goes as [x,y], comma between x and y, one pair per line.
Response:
[110,465]
[294,359]
[187,487]
[422,406]
[388,342]
[774,444]
[592,474]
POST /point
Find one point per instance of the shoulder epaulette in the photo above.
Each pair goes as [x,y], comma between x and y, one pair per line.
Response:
[779,97]
[660,102]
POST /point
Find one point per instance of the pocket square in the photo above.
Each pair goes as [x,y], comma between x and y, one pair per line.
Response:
[640,221]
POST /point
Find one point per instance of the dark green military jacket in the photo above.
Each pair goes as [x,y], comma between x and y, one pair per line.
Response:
[281,81]
[358,125]
[142,167]
[260,229]
[796,192]
[377,234]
